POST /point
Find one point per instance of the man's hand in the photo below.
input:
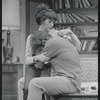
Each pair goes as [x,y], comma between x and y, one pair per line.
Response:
[41,57]
[39,65]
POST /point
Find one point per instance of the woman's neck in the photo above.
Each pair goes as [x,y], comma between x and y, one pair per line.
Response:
[41,28]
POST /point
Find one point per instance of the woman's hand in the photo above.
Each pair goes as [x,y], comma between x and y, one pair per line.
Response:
[41,57]
[53,32]
[65,32]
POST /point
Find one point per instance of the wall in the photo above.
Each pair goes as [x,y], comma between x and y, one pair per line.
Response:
[18,37]
[33,24]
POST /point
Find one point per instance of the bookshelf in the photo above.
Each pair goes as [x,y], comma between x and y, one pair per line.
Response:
[82,17]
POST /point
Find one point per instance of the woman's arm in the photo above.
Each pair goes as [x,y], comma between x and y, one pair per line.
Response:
[67,33]
[28,52]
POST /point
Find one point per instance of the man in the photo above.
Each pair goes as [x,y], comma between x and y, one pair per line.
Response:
[65,70]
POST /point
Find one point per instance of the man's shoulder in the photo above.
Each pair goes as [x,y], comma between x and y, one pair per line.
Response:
[57,39]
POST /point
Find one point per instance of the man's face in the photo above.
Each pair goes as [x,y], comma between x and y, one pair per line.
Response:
[48,24]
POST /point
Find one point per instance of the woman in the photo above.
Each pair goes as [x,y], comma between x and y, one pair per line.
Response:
[45,18]
[64,58]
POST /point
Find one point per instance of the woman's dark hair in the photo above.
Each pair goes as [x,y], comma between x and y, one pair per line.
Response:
[44,12]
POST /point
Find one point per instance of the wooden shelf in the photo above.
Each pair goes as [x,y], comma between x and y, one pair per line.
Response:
[74,10]
[74,24]
[88,38]
[88,52]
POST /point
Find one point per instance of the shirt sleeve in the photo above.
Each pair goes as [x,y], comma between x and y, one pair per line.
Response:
[28,52]
[52,48]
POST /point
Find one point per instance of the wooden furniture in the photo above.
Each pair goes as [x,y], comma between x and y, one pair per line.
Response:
[80,96]
[10,75]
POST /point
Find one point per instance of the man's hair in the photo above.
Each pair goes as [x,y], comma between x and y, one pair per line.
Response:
[44,12]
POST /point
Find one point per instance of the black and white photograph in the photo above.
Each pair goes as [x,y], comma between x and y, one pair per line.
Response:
[50,49]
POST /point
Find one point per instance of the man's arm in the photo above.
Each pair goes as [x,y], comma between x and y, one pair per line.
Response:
[51,47]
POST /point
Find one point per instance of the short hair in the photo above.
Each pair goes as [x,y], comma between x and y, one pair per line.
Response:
[44,12]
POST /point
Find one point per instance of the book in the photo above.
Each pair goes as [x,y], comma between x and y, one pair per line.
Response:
[68,18]
[82,42]
[80,4]
[74,20]
[87,2]
[79,19]
[71,18]
[63,18]
[56,4]
[60,4]
[79,48]
[70,2]
[88,44]
[95,45]
[59,18]
[91,45]
[84,45]
[76,4]
[67,4]
[93,2]
[73,3]
[91,18]
[84,4]
[86,19]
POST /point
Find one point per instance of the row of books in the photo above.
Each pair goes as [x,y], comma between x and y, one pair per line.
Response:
[73,18]
[88,45]
[65,4]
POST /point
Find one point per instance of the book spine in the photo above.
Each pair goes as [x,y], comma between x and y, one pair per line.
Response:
[91,45]
[87,2]
[92,19]
[78,17]
[63,18]
[84,18]
[84,4]
[93,2]
[67,4]
[84,45]
[80,4]
[95,46]
[59,18]
[60,4]
[67,18]
[72,18]
[76,4]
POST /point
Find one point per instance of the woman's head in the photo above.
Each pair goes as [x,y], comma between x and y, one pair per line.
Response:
[43,13]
